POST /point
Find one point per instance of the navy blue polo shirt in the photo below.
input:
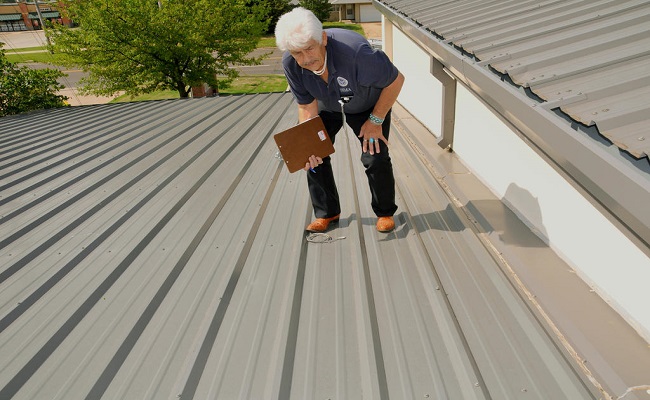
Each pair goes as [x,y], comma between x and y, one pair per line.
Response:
[355,70]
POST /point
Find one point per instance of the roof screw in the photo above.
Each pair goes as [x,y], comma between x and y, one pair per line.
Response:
[476,384]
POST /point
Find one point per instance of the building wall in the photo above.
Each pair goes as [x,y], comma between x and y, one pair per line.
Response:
[28,12]
[605,259]
[421,93]
[361,12]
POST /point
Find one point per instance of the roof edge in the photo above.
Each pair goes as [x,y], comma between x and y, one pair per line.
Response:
[604,179]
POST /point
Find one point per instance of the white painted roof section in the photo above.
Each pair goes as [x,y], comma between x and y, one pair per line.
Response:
[156,250]
[590,59]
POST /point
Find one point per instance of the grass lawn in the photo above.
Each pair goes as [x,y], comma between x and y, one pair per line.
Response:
[256,84]
[242,85]
[345,25]
[266,41]
[21,49]
[33,56]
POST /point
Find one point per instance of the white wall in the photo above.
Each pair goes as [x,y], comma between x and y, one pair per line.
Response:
[421,93]
[596,249]
[578,232]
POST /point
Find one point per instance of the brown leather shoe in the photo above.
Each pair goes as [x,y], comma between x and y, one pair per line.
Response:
[385,224]
[321,224]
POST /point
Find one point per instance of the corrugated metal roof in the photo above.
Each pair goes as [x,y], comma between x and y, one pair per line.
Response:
[590,59]
[156,250]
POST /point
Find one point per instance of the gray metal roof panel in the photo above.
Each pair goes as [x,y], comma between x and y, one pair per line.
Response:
[156,250]
[560,44]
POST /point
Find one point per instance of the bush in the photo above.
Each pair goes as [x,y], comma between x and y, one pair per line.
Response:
[23,89]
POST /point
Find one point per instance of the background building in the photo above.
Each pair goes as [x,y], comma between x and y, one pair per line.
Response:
[355,11]
[23,16]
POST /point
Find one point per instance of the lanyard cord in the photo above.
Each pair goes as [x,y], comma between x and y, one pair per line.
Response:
[345,125]
[316,237]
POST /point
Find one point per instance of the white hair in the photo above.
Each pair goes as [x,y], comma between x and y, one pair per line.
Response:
[296,28]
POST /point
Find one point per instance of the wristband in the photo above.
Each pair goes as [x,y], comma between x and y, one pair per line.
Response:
[375,119]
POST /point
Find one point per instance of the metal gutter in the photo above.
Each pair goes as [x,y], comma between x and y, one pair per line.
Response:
[610,185]
[448,103]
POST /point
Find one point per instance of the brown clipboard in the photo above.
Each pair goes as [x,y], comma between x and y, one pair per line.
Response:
[299,142]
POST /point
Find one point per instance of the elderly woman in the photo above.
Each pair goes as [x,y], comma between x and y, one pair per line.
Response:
[335,73]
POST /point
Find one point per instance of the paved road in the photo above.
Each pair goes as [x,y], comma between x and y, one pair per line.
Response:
[16,40]
[272,64]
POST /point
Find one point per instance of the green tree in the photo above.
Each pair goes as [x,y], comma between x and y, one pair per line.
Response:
[142,46]
[320,8]
[23,89]
[275,10]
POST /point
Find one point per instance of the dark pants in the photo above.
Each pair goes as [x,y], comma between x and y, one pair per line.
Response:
[379,170]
